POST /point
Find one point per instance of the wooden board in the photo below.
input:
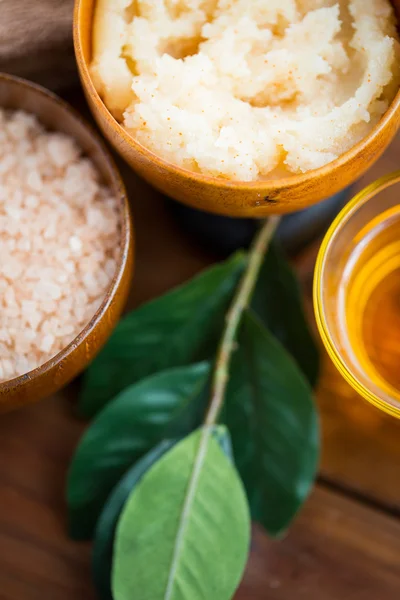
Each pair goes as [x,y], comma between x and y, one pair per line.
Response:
[337,547]
[336,550]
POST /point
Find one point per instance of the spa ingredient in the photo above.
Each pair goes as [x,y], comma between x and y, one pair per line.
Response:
[59,232]
[246,89]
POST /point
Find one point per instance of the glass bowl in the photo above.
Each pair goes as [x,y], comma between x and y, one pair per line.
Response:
[350,268]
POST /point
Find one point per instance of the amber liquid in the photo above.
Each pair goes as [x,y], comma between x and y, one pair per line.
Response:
[371,300]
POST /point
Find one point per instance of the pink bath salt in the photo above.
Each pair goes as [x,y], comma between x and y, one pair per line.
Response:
[59,242]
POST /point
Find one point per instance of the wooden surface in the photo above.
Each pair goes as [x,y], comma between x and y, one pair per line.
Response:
[344,545]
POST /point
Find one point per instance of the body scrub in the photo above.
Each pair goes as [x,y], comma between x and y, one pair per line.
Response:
[246,89]
[59,238]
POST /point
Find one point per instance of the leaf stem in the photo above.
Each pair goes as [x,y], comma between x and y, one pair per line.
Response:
[234,316]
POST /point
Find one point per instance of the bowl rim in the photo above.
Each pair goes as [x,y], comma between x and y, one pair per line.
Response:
[265,185]
[126,237]
[339,222]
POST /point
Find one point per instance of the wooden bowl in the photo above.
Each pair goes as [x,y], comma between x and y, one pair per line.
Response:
[56,115]
[235,199]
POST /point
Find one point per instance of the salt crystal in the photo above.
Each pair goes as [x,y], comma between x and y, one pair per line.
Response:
[13,212]
[47,342]
[31,201]
[34,319]
[48,307]
[11,271]
[75,244]
[7,163]
[24,244]
[4,335]
[34,180]
[50,231]
[62,149]
[91,283]
[68,329]
[9,297]
[70,267]
[22,364]
[7,367]
[109,267]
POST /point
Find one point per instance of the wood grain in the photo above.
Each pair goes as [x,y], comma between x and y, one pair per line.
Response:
[337,549]
[337,545]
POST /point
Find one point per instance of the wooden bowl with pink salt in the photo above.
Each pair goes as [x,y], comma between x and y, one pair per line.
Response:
[66,243]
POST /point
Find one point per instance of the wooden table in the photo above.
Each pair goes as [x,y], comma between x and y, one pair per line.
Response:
[345,545]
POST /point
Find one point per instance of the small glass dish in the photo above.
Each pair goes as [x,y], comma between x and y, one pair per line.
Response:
[357,293]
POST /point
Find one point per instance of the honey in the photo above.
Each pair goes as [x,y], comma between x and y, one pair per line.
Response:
[369,301]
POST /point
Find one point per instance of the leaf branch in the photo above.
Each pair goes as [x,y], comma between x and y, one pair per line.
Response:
[233,319]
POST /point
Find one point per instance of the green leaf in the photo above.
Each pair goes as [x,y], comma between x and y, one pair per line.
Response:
[278,302]
[274,426]
[107,523]
[181,327]
[184,531]
[168,404]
